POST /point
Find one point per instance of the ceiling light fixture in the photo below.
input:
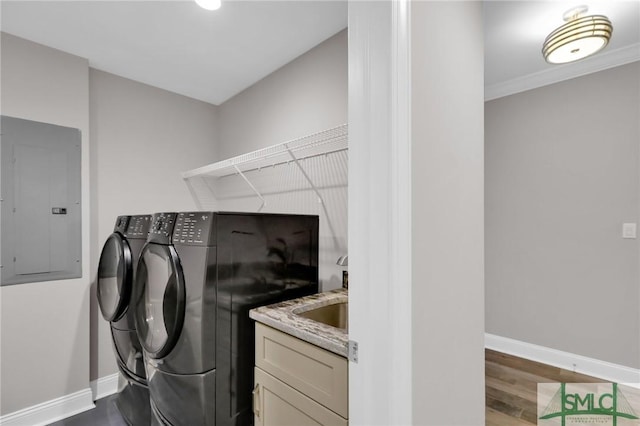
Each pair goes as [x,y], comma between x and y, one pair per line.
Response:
[580,37]
[209,4]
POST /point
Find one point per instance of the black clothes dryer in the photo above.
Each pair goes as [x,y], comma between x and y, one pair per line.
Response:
[198,276]
[116,270]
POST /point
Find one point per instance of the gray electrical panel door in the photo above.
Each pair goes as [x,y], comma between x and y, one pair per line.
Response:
[41,209]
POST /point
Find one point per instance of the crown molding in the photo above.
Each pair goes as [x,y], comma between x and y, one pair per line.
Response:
[556,74]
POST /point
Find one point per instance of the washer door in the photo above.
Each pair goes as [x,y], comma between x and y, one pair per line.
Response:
[161,300]
[115,275]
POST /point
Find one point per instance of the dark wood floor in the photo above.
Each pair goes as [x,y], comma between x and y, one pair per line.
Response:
[511,393]
[511,387]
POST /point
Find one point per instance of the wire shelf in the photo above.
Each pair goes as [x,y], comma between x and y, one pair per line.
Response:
[321,143]
[315,162]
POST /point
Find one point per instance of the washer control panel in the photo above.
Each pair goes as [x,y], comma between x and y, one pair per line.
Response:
[194,228]
[161,228]
[121,224]
[138,226]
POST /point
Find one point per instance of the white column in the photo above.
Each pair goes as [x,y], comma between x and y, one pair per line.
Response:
[380,213]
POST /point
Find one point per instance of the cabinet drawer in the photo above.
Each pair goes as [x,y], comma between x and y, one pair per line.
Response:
[277,404]
[317,373]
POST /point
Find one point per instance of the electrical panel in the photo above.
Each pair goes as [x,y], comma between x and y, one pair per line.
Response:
[40,198]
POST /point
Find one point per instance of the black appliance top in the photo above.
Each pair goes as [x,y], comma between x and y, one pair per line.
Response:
[199,228]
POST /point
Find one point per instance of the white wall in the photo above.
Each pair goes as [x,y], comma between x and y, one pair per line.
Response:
[562,176]
[306,96]
[45,325]
[447,218]
[142,138]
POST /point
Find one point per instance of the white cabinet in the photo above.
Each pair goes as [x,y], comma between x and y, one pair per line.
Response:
[278,404]
[297,383]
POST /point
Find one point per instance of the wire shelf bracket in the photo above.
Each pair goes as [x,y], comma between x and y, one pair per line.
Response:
[253,188]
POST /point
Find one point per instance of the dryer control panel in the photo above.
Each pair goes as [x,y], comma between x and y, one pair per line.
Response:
[195,229]
[161,228]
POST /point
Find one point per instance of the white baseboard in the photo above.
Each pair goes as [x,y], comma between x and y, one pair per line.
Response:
[104,386]
[566,360]
[51,411]
[63,407]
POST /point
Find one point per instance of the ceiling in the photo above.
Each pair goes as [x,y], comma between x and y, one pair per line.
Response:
[213,55]
[176,45]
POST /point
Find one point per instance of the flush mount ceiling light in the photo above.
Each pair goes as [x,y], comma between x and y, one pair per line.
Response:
[209,4]
[580,37]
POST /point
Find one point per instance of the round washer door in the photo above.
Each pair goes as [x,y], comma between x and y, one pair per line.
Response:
[115,276]
[161,300]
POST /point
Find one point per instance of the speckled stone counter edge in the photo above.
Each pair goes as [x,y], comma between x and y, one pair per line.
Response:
[281,316]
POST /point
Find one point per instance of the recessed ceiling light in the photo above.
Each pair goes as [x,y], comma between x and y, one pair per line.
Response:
[580,37]
[209,4]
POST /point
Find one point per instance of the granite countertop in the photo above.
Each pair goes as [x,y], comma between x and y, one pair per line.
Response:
[282,316]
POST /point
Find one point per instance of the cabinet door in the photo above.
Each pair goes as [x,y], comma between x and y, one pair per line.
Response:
[278,404]
[317,373]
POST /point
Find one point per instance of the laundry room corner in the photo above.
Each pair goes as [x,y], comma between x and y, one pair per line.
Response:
[138,148]
[57,351]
